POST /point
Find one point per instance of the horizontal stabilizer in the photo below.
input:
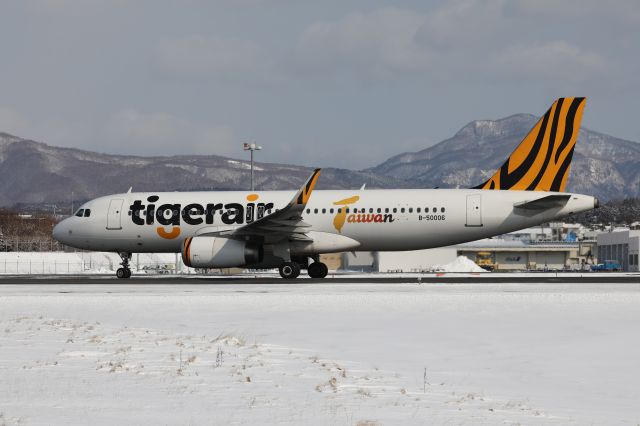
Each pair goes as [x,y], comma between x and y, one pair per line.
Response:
[544,203]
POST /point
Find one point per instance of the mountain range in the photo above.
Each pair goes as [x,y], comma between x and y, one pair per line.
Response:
[602,165]
[36,173]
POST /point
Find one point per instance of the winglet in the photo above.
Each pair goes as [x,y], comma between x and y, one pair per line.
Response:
[303,194]
[541,162]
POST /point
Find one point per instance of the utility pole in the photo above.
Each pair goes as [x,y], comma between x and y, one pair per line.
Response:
[251,147]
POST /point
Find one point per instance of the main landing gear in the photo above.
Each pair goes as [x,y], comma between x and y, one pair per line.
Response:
[291,270]
[124,272]
[317,270]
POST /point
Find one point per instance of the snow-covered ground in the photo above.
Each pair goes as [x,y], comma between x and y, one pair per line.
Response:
[343,354]
[61,263]
[142,264]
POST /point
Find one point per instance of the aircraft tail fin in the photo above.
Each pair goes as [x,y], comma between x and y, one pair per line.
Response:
[542,160]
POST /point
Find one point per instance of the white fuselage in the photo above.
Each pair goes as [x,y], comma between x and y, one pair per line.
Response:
[385,220]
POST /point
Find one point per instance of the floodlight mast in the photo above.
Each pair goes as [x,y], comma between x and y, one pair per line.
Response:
[251,147]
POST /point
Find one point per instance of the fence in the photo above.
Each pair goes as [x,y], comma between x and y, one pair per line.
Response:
[21,244]
[87,263]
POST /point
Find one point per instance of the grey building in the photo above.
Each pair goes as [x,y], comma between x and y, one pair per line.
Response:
[622,246]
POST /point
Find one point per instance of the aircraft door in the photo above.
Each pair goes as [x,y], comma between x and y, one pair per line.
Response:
[113,216]
[474,210]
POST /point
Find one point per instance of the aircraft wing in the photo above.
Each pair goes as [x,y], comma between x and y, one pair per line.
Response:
[548,202]
[281,224]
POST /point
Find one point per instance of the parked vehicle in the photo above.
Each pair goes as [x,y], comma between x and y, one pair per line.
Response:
[607,266]
[484,259]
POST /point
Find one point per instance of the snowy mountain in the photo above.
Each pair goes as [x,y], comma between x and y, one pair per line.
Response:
[33,173]
[604,166]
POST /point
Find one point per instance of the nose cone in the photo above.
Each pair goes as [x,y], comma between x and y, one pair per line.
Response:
[60,231]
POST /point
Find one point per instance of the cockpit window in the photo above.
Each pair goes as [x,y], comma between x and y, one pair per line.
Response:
[80,213]
[87,212]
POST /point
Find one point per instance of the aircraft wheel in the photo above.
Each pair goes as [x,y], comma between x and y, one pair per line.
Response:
[318,270]
[127,273]
[121,273]
[290,270]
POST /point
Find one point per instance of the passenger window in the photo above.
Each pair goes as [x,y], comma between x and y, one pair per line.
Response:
[339,210]
[395,210]
[410,209]
[418,210]
[370,210]
[324,211]
[80,213]
[379,210]
[87,213]
[308,211]
[435,209]
[315,211]
[402,210]
[331,211]
[348,209]
[442,210]
[386,210]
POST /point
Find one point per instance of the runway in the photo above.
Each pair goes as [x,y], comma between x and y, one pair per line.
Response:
[364,349]
[543,278]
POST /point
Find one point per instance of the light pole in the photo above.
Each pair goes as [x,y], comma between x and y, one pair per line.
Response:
[251,147]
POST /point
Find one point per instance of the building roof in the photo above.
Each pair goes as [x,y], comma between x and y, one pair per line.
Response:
[498,244]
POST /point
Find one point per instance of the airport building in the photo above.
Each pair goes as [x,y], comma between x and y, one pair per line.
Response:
[398,261]
[552,246]
[622,247]
[491,254]
[516,255]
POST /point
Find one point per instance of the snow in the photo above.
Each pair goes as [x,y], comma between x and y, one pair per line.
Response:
[31,263]
[244,165]
[103,263]
[460,264]
[319,353]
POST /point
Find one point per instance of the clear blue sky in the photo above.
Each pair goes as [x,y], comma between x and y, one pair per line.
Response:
[328,83]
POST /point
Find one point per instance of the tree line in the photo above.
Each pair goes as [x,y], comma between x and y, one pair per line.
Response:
[27,232]
[613,212]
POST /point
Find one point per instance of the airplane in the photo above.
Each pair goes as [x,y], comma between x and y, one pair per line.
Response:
[288,230]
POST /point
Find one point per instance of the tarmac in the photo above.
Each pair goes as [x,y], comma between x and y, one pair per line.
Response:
[493,278]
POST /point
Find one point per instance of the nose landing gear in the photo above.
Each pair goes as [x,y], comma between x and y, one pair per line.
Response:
[124,272]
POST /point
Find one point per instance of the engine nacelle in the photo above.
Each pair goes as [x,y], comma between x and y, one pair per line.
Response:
[218,252]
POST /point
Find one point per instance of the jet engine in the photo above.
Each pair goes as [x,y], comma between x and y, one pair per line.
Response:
[218,252]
